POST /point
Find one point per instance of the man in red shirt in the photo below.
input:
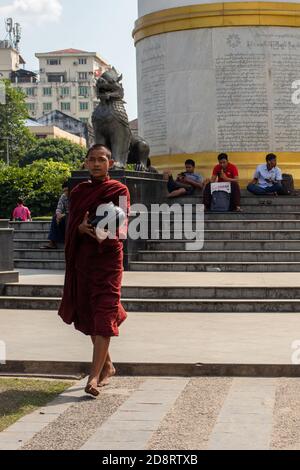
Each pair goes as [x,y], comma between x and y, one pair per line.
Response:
[224,172]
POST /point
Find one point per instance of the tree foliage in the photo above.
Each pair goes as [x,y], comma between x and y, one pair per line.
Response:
[58,150]
[13,115]
[40,185]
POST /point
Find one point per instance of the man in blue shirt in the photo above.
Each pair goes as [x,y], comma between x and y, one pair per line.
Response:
[186,183]
[267,178]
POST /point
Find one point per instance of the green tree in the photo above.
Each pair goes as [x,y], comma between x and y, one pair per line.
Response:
[58,150]
[13,115]
[40,185]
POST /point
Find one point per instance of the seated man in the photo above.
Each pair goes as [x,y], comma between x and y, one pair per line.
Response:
[186,183]
[58,224]
[267,178]
[224,172]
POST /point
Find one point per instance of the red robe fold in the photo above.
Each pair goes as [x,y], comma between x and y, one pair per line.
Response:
[92,291]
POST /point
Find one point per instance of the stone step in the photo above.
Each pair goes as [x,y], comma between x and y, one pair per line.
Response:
[21,226]
[164,306]
[31,235]
[164,292]
[246,198]
[254,215]
[53,255]
[207,266]
[227,245]
[219,256]
[237,235]
[39,264]
[247,213]
[32,244]
[250,224]
[179,245]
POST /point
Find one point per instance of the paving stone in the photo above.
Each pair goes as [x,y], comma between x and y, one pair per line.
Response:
[245,420]
[136,415]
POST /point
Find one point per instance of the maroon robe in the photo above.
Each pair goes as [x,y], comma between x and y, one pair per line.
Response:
[92,291]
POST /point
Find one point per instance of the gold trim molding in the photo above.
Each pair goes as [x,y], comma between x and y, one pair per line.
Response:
[217,15]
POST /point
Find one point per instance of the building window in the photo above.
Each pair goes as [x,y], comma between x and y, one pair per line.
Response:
[82,61]
[30,91]
[65,91]
[47,91]
[84,106]
[84,120]
[83,75]
[54,78]
[30,106]
[53,62]
[47,106]
[83,91]
[65,106]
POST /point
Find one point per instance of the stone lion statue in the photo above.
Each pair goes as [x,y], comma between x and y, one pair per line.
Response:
[111,125]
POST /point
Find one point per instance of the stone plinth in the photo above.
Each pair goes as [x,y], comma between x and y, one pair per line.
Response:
[7,273]
[145,188]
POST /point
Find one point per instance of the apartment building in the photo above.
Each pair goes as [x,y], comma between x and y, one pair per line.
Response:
[66,81]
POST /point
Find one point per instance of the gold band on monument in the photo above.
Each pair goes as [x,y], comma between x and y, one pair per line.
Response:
[217,15]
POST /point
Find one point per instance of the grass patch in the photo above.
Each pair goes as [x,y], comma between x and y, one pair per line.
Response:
[20,397]
[45,218]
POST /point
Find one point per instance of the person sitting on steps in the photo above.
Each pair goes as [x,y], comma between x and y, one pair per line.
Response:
[59,221]
[186,182]
[224,172]
[267,178]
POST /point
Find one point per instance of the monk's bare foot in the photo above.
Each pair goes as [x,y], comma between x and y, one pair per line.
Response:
[91,388]
[107,373]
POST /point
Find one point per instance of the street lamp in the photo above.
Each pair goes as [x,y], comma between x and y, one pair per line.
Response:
[7,148]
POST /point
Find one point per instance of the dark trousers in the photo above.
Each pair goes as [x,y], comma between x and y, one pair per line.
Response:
[235,196]
[174,185]
[57,231]
[258,191]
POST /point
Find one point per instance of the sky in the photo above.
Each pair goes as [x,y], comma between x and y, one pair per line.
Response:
[91,25]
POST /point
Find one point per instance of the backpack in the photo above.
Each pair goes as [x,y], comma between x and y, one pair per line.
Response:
[220,201]
[287,185]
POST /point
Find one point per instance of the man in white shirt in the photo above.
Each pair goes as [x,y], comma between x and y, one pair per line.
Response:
[267,178]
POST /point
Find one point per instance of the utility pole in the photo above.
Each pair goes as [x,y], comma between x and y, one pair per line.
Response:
[7,149]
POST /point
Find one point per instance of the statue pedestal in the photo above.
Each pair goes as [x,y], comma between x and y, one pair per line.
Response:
[145,188]
[7,273]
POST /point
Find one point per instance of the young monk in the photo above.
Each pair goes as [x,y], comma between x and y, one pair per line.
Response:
[94,268]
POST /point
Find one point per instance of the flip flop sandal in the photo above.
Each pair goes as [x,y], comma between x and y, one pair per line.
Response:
[90,390]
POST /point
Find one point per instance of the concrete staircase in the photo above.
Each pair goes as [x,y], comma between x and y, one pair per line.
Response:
[265,237]
[28,238]
[173,299]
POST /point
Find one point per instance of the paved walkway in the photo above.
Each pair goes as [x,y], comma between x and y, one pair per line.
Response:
[181,338]
[161,414]
[239,338]
[176,279]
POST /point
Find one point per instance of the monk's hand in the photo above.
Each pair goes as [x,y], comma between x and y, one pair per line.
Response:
[85,228]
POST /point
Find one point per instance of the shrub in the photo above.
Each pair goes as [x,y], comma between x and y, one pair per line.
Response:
[40,185]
